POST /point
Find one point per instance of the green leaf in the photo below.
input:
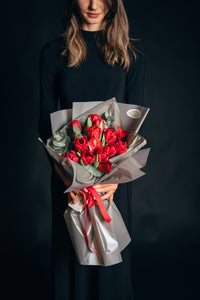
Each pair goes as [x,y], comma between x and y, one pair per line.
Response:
[95,172]
[82,163]
[103,140]
[79,153]
[101,125]
[96,162]
[76,130]
[89,122]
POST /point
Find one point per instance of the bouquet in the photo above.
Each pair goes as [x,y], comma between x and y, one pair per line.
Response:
[95,145]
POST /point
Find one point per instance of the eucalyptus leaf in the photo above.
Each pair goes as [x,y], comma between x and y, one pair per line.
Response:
[60,142]
[76,130]
[95,172]
[59,136]
[107,115]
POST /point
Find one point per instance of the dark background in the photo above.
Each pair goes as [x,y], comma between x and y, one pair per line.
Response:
[166,217]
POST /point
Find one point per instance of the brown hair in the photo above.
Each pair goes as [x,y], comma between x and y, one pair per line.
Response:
[113,40]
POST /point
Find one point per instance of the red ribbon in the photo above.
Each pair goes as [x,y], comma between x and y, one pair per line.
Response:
[85,203]
[100,203]
[91,194]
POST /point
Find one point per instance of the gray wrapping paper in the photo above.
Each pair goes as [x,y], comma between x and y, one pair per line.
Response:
[109,239]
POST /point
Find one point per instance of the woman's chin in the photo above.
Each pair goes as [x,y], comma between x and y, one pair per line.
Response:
[93,20]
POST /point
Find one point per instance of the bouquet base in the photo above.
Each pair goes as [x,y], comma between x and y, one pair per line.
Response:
[109,239]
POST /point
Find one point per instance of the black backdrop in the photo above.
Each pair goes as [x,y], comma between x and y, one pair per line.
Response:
[166,214]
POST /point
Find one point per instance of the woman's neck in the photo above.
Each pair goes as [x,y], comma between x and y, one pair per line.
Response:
[91,27]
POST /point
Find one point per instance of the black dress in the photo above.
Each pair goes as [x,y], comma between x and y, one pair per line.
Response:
[60,85]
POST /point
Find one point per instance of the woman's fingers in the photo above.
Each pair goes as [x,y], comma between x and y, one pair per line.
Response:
[79,194]
[111,199]
[108,196]
[104,185]
[69,198]
[73,197]
[104,188]
[107,189]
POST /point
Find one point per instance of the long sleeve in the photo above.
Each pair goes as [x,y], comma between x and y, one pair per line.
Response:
[135,79]
[48,91]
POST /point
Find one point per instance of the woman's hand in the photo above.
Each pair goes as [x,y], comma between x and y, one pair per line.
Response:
[72,196]
[108,189]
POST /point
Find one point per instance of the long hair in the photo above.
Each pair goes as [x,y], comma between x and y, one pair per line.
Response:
[113,40]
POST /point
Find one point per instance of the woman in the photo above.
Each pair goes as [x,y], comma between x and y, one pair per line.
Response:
[94,60]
